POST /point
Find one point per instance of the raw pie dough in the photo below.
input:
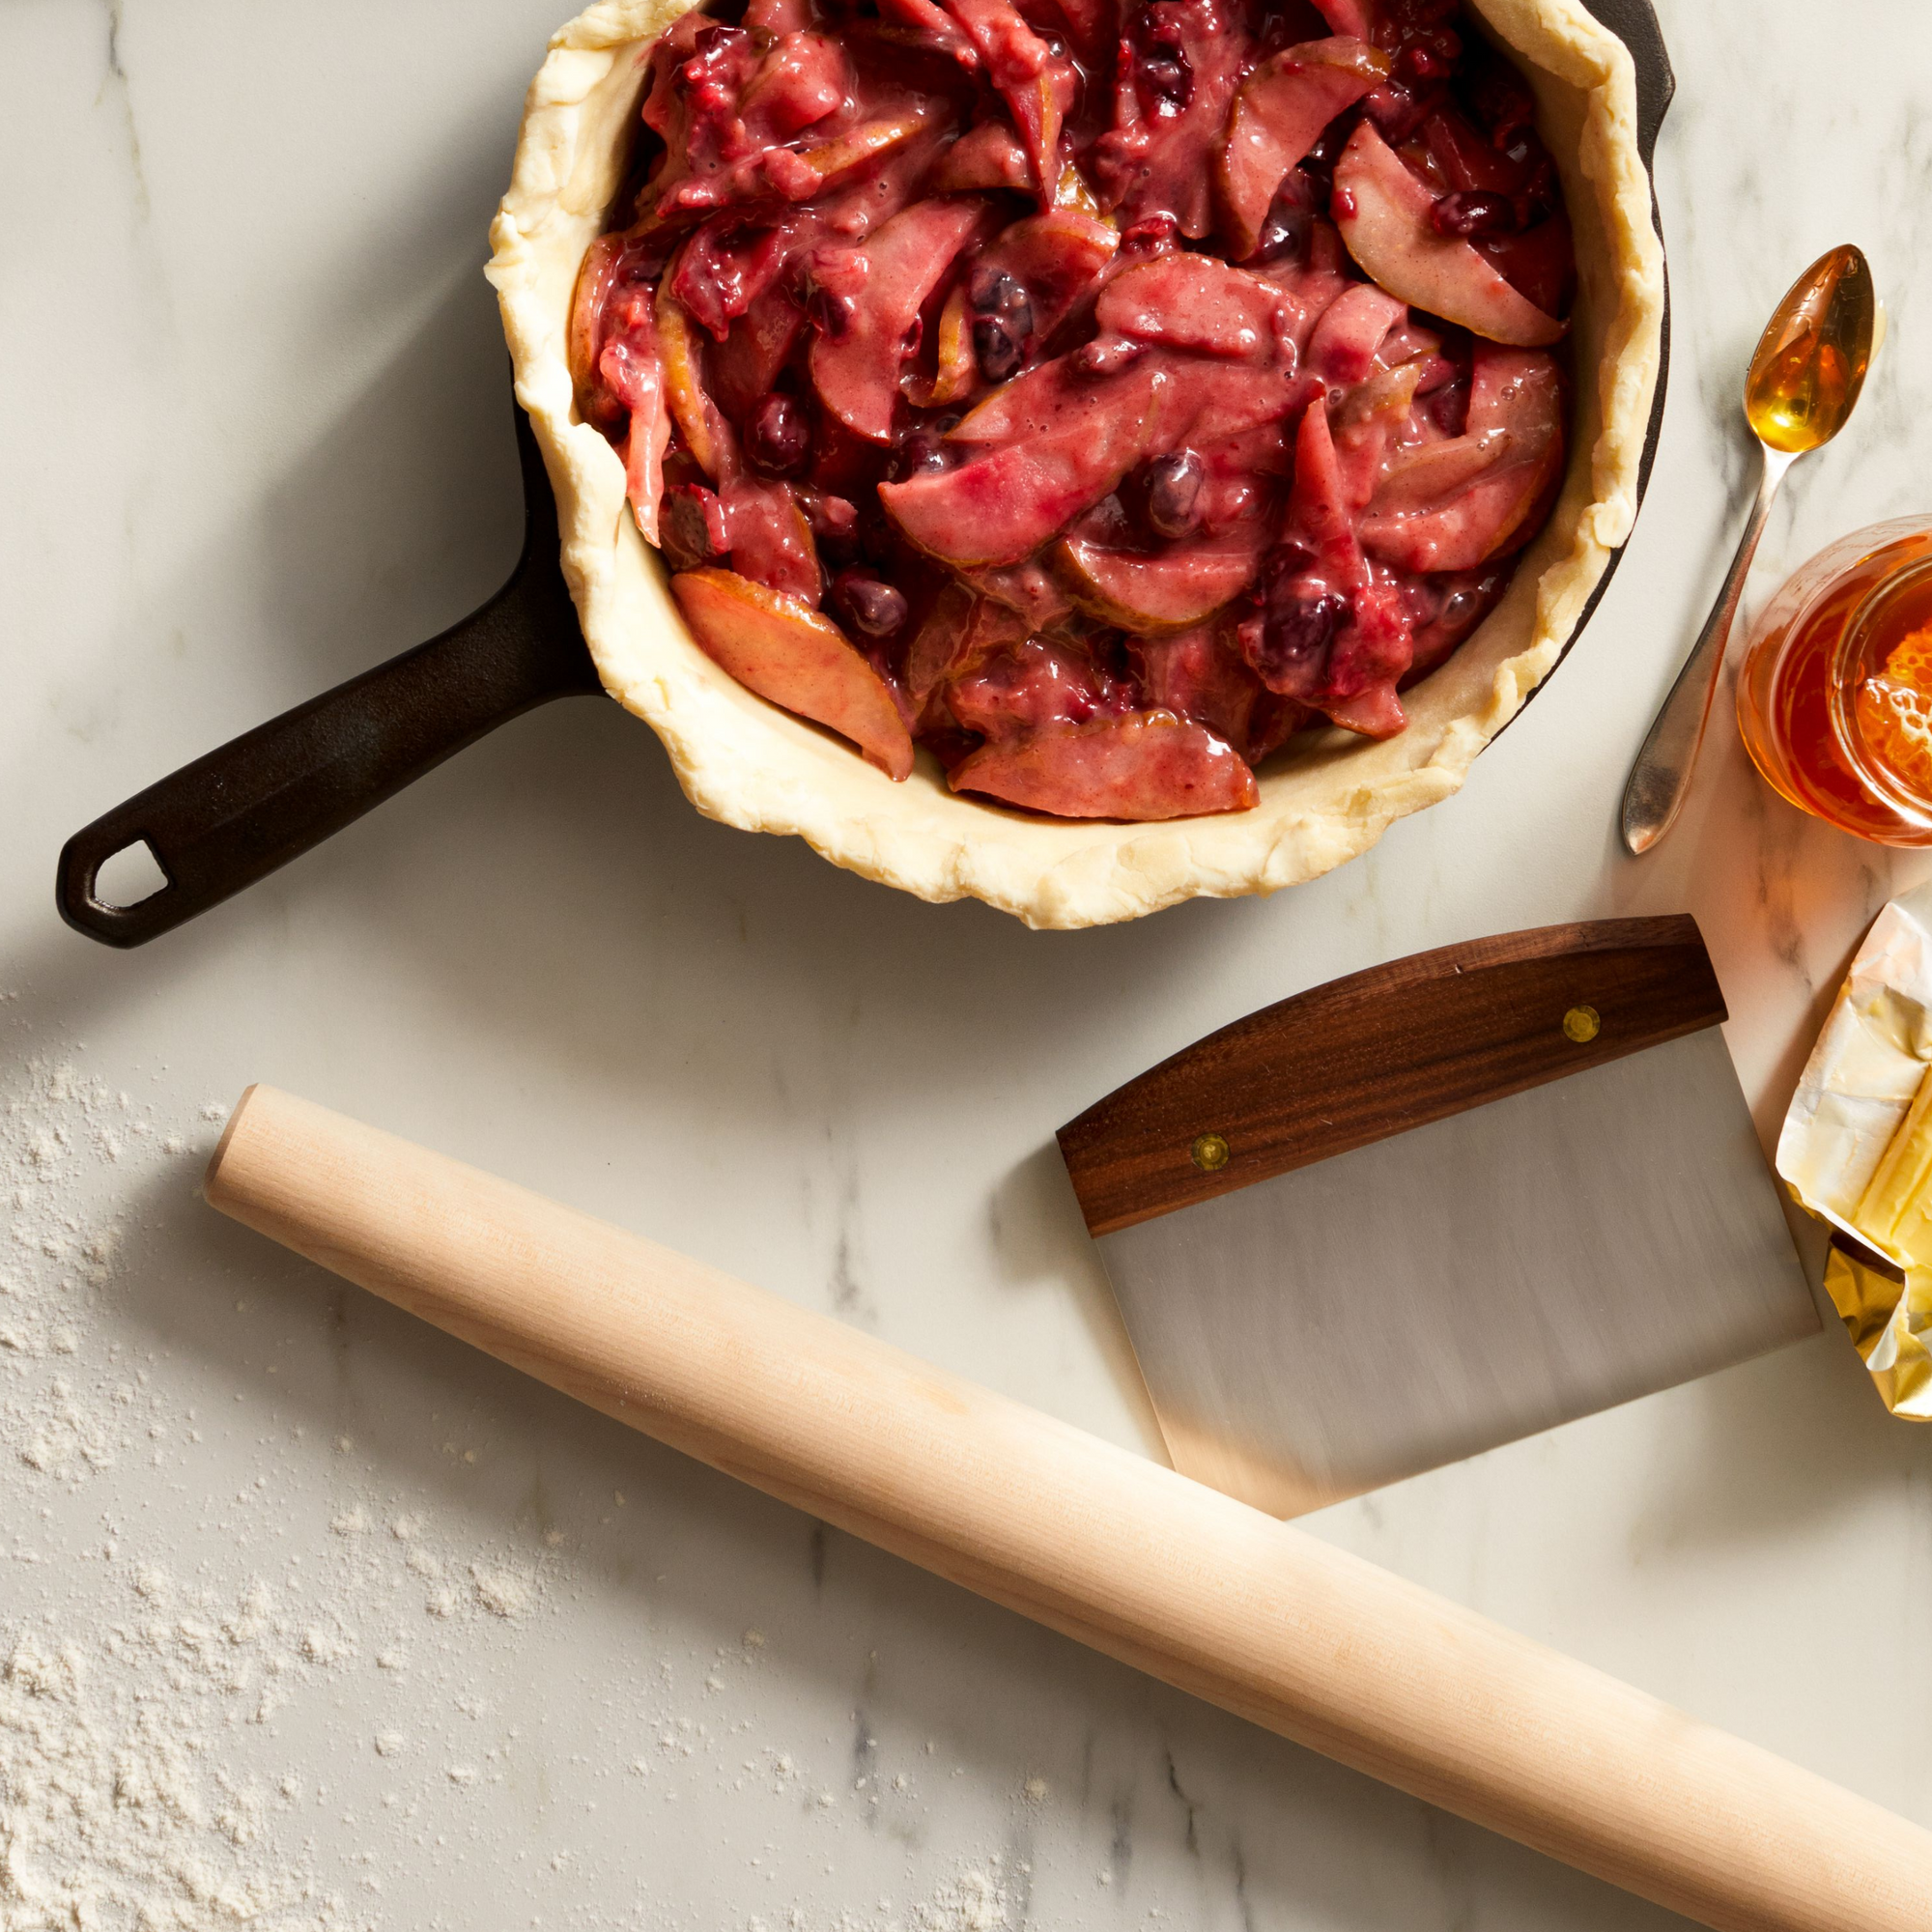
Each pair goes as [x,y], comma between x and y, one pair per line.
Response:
[1324,800]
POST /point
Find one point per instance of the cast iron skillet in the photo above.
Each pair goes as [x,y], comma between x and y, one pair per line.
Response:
[266,797]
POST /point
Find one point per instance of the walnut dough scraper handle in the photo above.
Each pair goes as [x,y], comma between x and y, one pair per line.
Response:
[1162,1573]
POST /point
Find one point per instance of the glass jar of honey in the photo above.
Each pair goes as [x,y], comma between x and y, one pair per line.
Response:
[1835,699]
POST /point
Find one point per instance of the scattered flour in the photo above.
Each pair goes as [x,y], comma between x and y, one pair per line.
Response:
[115,1809]
[973,1902]
[126,1804]
[171,1719]
[500,1592]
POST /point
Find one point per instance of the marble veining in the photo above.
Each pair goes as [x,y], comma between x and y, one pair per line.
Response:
[254,388]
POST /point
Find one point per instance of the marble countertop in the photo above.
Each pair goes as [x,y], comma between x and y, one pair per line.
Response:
[424,1643]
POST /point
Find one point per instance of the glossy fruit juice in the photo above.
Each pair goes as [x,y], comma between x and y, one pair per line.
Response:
[1835,699]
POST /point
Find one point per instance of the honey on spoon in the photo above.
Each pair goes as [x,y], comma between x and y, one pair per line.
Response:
[1802,386]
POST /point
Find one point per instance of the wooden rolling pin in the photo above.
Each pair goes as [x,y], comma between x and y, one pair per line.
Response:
[1091,1540]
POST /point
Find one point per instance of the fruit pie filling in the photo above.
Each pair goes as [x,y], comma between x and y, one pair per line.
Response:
[1095,393]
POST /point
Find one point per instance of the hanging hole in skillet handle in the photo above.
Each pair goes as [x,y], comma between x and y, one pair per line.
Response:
[105,881]
[126,878]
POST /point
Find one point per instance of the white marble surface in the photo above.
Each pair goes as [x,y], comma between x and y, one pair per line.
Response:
[258,439]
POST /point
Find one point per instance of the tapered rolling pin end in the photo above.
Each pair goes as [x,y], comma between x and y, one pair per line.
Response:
[212,1175]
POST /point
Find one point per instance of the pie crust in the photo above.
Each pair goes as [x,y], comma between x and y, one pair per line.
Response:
[1325,800]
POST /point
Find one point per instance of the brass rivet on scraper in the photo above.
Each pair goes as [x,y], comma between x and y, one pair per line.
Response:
[1582,1025]
[1210,1152]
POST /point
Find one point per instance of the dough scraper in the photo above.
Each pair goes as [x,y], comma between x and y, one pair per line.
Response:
[1437,1205]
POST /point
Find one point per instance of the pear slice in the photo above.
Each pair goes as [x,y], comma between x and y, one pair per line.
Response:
[857,375]
[804,78]
[1349,16]
[771,536]
[986,157]
[1021,66]
[1383,213]
[1205,402]
[1421,477]
[1278,116]
[955,369]
[1516,405]
[1147,765]
[644,445]
[1195,674]
[629,371]
[1343,344]
[1489,519]
[1363,424]
[922,23]
[861,146]
[1031,403]
[705,432]
[1058,256]
[1201,399]
[959,630]
[1197,303]
[1004,503]
[596,279]
[1174,589]
[1027,590]
[784,651]
[746,364]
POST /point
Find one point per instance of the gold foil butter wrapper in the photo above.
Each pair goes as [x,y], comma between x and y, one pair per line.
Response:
[1855,1150]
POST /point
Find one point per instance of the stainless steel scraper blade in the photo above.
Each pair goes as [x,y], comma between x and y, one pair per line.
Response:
[1436,1292]
[1478,1279]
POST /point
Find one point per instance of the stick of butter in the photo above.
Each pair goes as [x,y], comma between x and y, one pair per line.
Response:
[1895,1213]
[1855,1150]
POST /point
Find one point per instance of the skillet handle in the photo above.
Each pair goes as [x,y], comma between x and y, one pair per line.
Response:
[266,797]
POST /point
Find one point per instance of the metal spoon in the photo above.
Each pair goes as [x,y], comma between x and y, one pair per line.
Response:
[1804,382]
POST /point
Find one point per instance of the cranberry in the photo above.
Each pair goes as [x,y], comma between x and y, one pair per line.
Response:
[997,293]
[1399,107]
[1163,70]
[1471,212]
[1300,631]
[920,450]
[833,519]
[1285,232]
[1317,170]
[1168,78]
[691,524]
[778,439]
[1174,494]
[1430,57]
[1002,323]
[874,607]
[998,351]
[834,314]
[1152,234]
